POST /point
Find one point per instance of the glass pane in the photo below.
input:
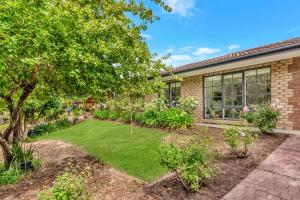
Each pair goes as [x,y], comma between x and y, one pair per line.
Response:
[251,100]
[228,113]
[172,85]
[217,91]
[236,113]
[250,76]
[228,100]
[208,112]
[213,113]
[237,100]
[217,102]
[208,92]
[228,79]
[208,81]
[218,113]
[178,91]
[267,99]
[263,74]
[227,90]
[251,89]
[237,78]
[217,80]
[166,92]
[208,102]
[237,88]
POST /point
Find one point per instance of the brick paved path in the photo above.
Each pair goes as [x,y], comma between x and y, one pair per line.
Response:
[278,177]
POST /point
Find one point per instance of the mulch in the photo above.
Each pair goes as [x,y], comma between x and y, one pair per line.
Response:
[108,183]
[230,171]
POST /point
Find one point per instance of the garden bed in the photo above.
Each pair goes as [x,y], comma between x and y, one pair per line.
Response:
[231,170]
[107,183]
[104,182]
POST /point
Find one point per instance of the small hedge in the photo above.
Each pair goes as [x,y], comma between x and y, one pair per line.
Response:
[49,127]
[172,118]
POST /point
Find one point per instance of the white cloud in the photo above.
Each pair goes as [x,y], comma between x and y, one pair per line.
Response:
[233,46]
[205,51]
[178,59]
[146,36]
[182,57]
[181,7]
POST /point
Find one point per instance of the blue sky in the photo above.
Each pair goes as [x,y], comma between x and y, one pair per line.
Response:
[201,29]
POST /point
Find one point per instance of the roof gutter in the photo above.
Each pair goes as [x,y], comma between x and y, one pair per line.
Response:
[290,47]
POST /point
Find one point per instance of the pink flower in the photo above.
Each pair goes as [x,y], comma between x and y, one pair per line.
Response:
[245,109]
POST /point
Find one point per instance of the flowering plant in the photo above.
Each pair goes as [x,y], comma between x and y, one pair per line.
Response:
[239,140]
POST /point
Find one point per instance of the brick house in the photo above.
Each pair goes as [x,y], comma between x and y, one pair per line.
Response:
[224,85]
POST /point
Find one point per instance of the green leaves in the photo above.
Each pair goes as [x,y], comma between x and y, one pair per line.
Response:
[239,139]
[192,161]
[75,45]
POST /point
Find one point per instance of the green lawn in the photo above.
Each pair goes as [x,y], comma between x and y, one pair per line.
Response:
[113,143]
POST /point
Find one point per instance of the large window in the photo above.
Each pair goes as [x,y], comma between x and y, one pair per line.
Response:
[172,93]
[226,95]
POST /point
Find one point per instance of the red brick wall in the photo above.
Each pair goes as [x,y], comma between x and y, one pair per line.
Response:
[294,84]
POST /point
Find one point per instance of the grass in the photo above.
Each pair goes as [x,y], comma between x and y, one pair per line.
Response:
[135,154]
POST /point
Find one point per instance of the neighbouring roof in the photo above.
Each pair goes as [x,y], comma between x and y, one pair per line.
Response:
[261,50]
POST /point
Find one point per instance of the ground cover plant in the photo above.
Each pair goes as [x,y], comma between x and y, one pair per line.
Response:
[67,186]
[134,153]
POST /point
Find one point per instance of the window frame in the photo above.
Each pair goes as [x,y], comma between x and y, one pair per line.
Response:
[170,96]
[244,91]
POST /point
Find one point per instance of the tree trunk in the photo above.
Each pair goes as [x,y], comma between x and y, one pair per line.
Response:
[15,127]
[7,153]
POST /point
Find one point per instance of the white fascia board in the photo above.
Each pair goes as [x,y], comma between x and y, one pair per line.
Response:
[239,64]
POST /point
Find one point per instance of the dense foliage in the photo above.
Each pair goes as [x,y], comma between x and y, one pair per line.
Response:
[22,162]
[239,139]
[67,186]
[154,114]
[191,161]
[54,48]
[172,118]
[49,127]
[263,117]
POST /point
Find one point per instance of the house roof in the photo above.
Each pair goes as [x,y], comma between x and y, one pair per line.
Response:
[261,50]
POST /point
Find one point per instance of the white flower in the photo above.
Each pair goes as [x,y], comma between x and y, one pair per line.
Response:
[242,133]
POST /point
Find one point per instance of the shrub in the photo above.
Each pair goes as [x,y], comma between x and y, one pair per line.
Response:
[239,139]
[101,114]
[264,117]
[66,186]
[49,127]
[192,162]
[150,118]
[188,105]
[22,162]
[114,115]
[23,158]
[172,118]
[176,119]
[9,176]
[158,104]
[77,112]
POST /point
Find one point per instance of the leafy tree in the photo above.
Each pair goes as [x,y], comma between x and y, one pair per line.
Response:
[71,47]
